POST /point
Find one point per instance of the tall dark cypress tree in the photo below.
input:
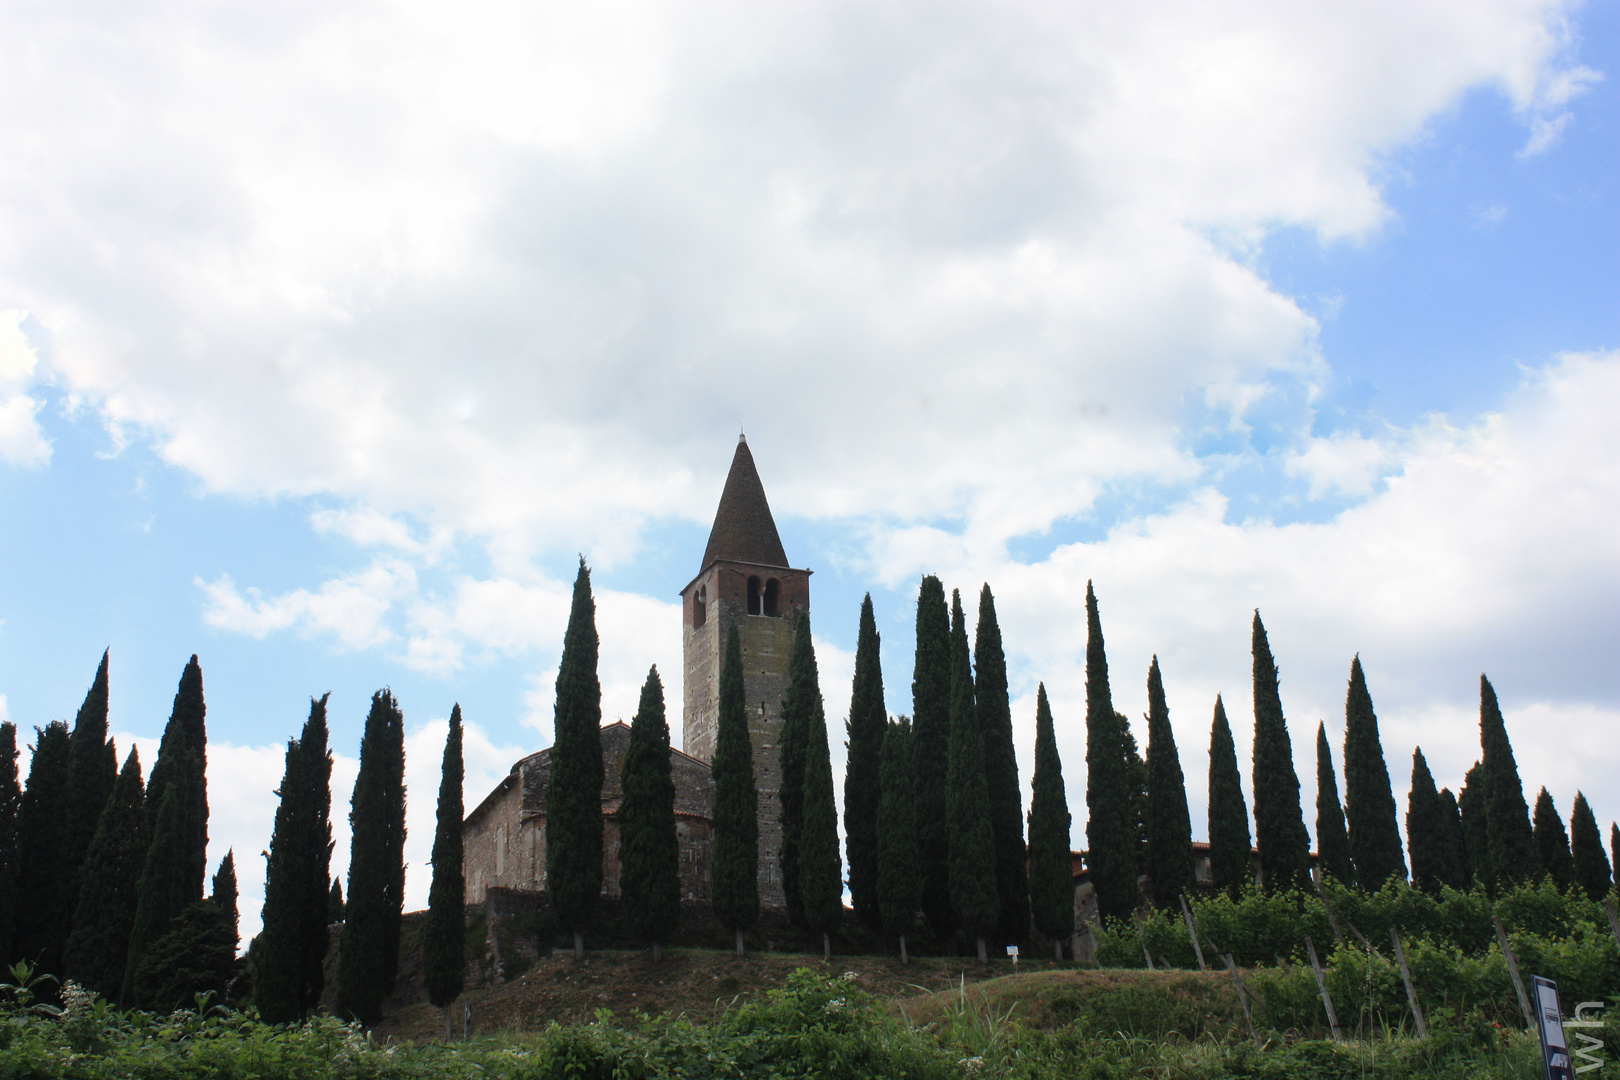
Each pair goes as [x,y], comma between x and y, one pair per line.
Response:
[44,878]
[108,888]
[1279,825]
[972,837]
[868,720]
[649,850]
[803,697]
[821,882]
[1001,774]
[1552,842]
[88,781]
[1170,858]
[278,952]
[1229,844]
[1476,828]
[931,733]
[1513,845]
[1332,842]
[315,774]
[182,762]
[1051,871]
[1375,836]
[10,802]
[1592,871]
[1614,847]
[222,894]
[160,893]
[734,869]
[444,934]
[574,792]
[1427,834]
[368,955]
[1111,834]
[1454,843]
[899,865]
[334,903]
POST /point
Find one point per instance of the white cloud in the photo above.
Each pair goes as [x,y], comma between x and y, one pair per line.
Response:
[513,274]
[352,608]
[21,440]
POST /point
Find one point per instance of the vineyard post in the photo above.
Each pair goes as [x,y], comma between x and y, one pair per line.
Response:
[1513,970]
[1406,977]
[1321,985]
[1186,913]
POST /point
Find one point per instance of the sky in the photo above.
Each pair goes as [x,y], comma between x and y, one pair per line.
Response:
[333,335]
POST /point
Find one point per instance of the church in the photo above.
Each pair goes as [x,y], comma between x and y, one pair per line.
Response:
[744,580]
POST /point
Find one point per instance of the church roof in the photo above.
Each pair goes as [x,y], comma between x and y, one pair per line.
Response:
[744,530]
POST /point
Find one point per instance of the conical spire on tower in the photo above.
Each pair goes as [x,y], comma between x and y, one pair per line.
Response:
[744,530]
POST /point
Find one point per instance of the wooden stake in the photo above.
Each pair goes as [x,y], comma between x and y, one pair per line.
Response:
[1337,936]
[1141,937]
[1513,970]
[1614,920]
[1406,977]
[1243,996]
[1321,985]
[1186,913]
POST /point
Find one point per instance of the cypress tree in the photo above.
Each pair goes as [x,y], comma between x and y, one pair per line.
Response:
[108,889]
[1375,837]
[574,792]
[1552,843]
[1476,828]
[1332,842]
[368,955]
[182,762]
[821,882]
[1001,774]
[734,871]
[88,781]
[444,935]
[315,775]
[160,899]
[1229,844]
[930,734]
[972,838]
[44,878]
[10,803]
[649,851]
[803,696]
[1279,826]
[195,955]
[1136,795]
[223,895]
[1614,847]
[1513,845]
[1111,832]
[867,723]
[899,878]
[1051,872]
[334,903]
[1426,829]
[1591,866]
[1170,858]
[278,958]
[1454,848]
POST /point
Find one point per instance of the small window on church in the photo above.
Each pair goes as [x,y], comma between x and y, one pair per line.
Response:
[700,607]
[773,598]
[753,596]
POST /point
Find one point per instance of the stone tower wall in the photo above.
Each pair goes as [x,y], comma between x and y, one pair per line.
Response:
[767,648]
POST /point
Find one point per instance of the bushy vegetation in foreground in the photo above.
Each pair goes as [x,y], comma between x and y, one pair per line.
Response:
[813,1027]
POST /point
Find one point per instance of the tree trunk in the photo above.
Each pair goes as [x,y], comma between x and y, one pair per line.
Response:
[579,944]
[739,943]
[826,946]
[1057,949]
[658,953]
[447,1030]
[904,959]
[983,959]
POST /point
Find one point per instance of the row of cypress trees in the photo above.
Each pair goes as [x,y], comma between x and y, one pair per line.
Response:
[102,875]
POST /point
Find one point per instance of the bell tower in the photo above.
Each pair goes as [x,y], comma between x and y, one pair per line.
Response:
[744,580]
